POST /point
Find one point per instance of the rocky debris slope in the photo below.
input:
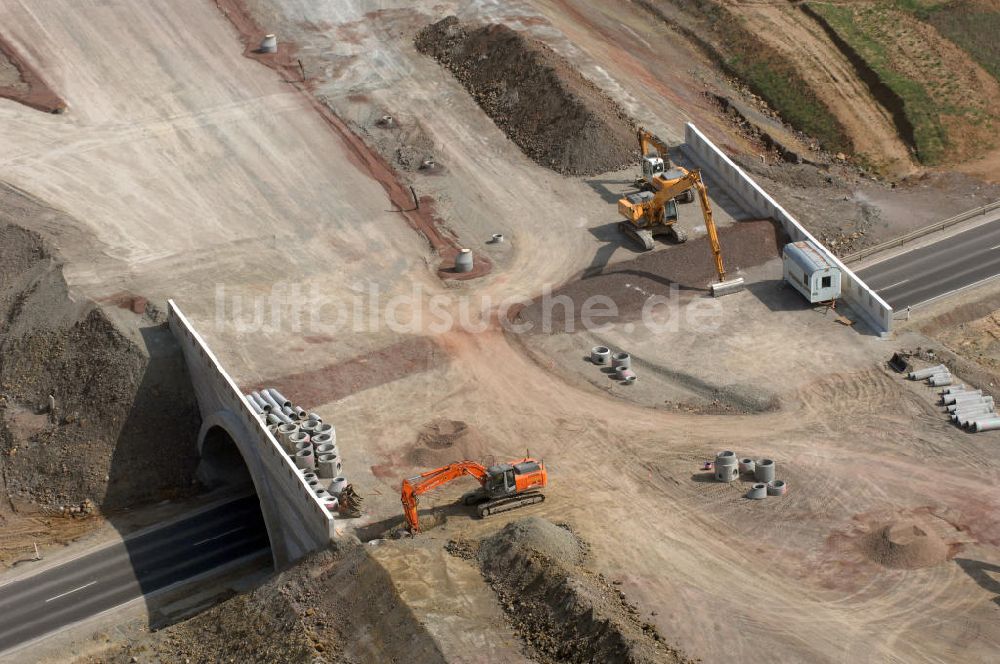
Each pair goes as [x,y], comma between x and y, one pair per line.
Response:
[561,610]
[556,116]
[124,420]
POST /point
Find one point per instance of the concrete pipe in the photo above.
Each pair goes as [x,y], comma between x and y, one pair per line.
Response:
[338,484]
[273,428]
[284,436]
[331,504]
[326,466]
[274,406]
[746,466]
[726,466]
[927,373]
[323,439]
[956,396]
[314,417]
[621,360]
[939,380]
[300,413]
[264,405]
[323,428]
[600,355]
[954,389]
[777,488]
[307,475]
[321,492]
[764,471]
[285,419]
[269,44]
[757,491]
[497,238]
[254,406]
[626,374]
[629,379]
[314,484]
[278,397]
[309,427]
[324,448]
[960,415]
[987,424]
[305,459]
[967,421]
[273,419]
[289,413]
[335,462]
[299,440]
[971,403]
[463,261]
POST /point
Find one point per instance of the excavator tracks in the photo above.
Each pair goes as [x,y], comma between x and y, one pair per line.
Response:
[508,503]
[641,236]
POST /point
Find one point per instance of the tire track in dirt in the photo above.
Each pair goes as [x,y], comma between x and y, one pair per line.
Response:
[834,80]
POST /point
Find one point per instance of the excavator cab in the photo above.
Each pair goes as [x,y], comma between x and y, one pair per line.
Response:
[651,167]
[500,481]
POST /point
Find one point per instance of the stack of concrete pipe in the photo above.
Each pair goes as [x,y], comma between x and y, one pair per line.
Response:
[970,409]
[307,439]
[621,362]
[727,468]
[937,376]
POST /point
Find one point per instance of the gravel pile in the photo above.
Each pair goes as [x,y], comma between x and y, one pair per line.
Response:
[556,116]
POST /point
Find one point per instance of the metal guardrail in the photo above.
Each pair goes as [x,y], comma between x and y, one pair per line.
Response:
[920,232]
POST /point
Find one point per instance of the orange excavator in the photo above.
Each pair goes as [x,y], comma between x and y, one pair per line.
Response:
[503,487]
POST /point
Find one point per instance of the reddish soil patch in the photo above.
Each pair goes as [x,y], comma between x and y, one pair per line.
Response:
[336,381]
[687,267]
[420,216]
[31,90]
[124,300]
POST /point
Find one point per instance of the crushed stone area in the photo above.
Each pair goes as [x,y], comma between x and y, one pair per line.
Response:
[556,116]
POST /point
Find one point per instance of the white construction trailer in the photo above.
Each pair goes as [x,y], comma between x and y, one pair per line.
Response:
[806,269]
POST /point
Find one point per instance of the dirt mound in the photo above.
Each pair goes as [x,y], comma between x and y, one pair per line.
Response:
[630,284]
[905,545]
[443,441]
[562,611]
[556,116]
[334,606]
[122,396]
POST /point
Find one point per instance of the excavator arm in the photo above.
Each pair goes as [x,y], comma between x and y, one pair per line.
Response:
[432,479]
[647,139]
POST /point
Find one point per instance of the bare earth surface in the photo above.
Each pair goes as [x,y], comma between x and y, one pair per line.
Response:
[200,174]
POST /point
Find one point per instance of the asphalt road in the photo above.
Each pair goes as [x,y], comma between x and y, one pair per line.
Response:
[936,269]
[54,598]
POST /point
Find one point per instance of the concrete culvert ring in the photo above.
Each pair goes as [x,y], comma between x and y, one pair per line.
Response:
[747,465]
[757,491]
[497,238]
[600,355]
[337,485]
[764,470]
[621,360]
[776,488]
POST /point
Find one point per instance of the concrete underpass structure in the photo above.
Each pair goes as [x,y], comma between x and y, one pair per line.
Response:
[296,520]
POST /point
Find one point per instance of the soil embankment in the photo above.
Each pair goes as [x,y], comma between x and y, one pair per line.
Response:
[21,83]
[562,611]
[92,415]
[557,117]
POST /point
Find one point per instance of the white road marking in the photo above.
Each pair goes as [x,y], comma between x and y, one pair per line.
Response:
[71,591]
[895,284]
[995,246]
[215,537]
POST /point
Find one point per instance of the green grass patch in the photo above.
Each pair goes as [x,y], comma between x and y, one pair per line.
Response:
[976,33]
[929,137]
[766,71]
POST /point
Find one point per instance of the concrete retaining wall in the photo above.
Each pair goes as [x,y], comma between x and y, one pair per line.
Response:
[297,522]
[862,299]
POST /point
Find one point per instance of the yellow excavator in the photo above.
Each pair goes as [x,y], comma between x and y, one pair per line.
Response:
[655,160]
[648,215]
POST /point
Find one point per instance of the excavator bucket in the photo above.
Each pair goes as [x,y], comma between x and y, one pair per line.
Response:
[727,287]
